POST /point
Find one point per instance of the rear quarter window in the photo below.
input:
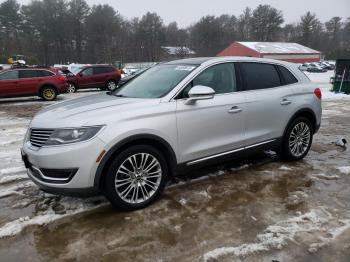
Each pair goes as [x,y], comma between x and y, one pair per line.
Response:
[44,73]
[102,70]
[288,77]
[260,76]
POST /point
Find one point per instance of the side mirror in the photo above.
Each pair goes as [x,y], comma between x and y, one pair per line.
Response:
[80,75]
[199,93]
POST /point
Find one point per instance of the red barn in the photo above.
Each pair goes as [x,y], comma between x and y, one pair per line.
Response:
[291,52]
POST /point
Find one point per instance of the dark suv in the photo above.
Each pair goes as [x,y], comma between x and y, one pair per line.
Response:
[45,83]
[95,76]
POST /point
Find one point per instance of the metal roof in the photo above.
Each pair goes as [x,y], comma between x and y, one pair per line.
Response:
[278,48]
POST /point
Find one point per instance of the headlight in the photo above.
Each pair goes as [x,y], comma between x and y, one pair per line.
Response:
[72,135]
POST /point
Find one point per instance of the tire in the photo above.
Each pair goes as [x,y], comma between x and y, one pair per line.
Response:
[111,85]
[297,139]
[72,88]
[130,190]
[48,93]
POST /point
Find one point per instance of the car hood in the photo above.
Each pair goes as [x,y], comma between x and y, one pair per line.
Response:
[92,110]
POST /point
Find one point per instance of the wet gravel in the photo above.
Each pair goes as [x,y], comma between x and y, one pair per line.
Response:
[255,209]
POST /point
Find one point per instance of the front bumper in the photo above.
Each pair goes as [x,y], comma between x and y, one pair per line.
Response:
[67,170]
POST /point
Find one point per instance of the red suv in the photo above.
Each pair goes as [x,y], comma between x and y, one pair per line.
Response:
[95,76]
[32,81]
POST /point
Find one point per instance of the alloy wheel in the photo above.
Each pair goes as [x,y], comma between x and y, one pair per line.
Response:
[111,85]
[138,178]
[299,139]
[49,94]
[71,88]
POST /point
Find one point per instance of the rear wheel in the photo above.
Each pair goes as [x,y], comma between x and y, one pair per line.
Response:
[48,93]
[297,140]
[111,85]
[136,177]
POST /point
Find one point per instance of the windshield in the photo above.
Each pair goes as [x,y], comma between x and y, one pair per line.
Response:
[75,69]
[155,82]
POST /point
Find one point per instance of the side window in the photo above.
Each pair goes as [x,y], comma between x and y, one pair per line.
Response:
[260,76]
[102,70]
[87,72]
[287,76]
[44,73]
[110,69]
[222,78]
[28,74]
[9,75]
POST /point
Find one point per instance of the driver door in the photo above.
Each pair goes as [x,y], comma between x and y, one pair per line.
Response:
[86,78]
[215,126]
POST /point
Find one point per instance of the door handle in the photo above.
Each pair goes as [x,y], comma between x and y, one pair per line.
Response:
[285,102]
[235,109]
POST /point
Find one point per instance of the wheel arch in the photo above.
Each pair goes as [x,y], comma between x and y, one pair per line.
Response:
[304,112]
[111,79]
[47,85]
[73,82]
[148,139]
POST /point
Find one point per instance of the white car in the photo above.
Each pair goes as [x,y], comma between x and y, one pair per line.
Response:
[173,117]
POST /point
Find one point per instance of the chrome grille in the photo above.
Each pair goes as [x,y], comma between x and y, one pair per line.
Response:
[38,137]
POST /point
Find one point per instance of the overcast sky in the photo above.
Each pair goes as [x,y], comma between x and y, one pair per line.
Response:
[186,12]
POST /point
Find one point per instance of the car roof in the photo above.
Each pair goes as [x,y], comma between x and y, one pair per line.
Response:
[201,60]
[98,66]
[190,61]
[29,68]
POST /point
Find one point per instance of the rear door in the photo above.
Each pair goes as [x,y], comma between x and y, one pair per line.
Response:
[9,83]
[101,75]
[215,126]
[269,102]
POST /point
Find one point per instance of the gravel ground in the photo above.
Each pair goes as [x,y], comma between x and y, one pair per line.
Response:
[256,209]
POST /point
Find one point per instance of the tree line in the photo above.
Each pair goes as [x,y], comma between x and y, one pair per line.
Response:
[61,31]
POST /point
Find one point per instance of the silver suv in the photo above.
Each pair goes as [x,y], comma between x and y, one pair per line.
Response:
[174,116]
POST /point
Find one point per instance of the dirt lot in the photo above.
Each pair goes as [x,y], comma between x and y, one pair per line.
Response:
[258,209]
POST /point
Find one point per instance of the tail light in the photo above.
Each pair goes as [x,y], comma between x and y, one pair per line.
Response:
[62,78]
[318,93]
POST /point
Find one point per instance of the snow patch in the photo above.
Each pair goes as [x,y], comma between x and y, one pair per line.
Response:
[344,169]
[325,176]
[14,190]
[16,226]
[12,178]
[285,168]
[6,171]
[183,201]
[277,235]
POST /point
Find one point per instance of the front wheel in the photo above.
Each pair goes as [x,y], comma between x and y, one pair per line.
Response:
[111,85]
[297,140]
[48,93]
[72,88]
[136,177]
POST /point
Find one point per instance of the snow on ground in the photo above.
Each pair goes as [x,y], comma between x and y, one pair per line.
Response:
[71,205]
[276,236]
[322,80]
[32,207]
[344,169]
[13,172]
